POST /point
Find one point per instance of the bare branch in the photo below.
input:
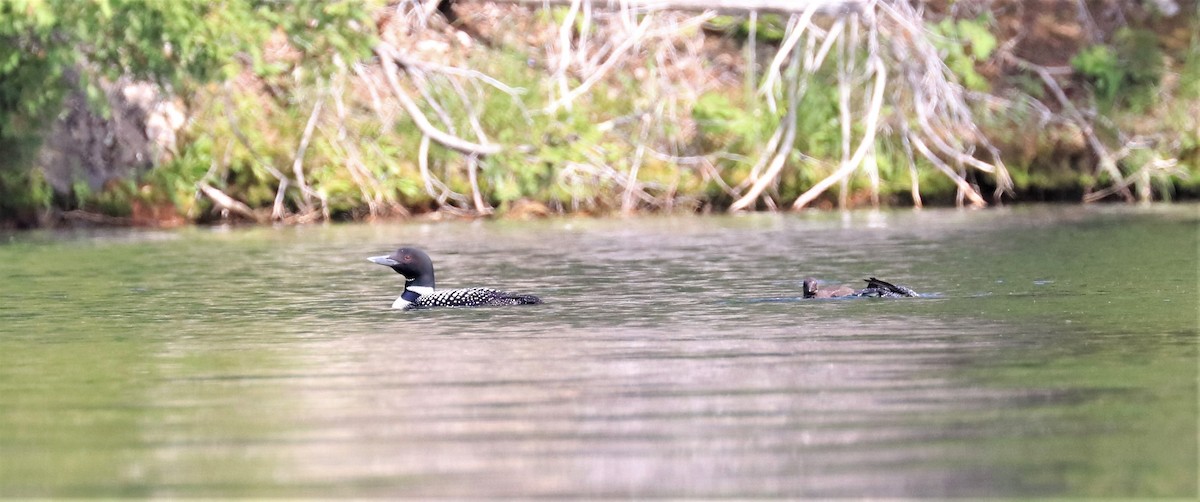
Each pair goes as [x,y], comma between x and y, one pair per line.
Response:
[763,160]
[770,6]
[1104,158]
[864,146]
[604,68]
[227,203]
[786,144]
[628,204]
[409,62]
[912,168]
[430,181]
[564,47]
[298,159]
[418,81]
[845,70]
[376,102]
[481,207]
[387,57]
[277,212]
[797,31]
[964,188]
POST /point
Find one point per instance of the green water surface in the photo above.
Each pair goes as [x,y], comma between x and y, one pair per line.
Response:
[1054,354]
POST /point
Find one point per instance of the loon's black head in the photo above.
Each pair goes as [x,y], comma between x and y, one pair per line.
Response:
[412,263]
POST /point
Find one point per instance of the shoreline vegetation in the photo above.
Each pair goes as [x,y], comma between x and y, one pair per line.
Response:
[173,113]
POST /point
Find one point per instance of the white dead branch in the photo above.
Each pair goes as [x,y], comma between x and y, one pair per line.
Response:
[227,203]
[298,158]
[796,32]
[897,66]
[788,126]
[378,200]
[738,6]
[864,146]
[279,211]
[1105,159]
[929,98]
[613,58]
[387,56]
[942,115]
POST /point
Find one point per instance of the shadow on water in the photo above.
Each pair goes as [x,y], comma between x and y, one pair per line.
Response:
[1053,354]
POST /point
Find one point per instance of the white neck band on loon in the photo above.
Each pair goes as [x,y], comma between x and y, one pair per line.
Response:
[418,290]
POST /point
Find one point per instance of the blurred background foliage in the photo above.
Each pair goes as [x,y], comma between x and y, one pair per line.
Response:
[256,80]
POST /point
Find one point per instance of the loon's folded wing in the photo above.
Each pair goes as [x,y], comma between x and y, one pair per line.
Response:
[474,297]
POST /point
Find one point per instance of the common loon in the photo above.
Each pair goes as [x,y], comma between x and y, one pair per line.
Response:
[875,288]
[417,269]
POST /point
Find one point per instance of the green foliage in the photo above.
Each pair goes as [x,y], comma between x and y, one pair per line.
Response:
[744,129]
[50,46]
[23,195]
[963,44]
[1183,123]
[818,131]
[115,199]
[1099,64]
[732,126]
[1127,72]
[1139,50]
[1028,84]
[174,183]
[769,28]
[1189,73]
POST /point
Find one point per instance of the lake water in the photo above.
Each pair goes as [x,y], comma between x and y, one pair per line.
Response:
[1055,354]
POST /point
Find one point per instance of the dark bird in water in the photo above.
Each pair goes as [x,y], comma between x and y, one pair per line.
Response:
[884,289]
[875,288]
[812,289]
[419,293]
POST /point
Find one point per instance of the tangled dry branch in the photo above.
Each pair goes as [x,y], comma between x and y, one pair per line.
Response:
[892,86]
[924,92]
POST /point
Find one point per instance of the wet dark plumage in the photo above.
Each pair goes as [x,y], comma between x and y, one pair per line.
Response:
[884,289]
[875,289]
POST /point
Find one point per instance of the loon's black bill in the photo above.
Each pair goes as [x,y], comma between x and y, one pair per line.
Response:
[384,260]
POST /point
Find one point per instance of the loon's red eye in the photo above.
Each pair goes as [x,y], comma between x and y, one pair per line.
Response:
[407,258]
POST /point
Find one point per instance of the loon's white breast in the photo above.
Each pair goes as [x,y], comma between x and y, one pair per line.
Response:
[401,303]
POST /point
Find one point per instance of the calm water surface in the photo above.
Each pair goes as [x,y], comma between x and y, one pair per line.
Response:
[1056,355]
